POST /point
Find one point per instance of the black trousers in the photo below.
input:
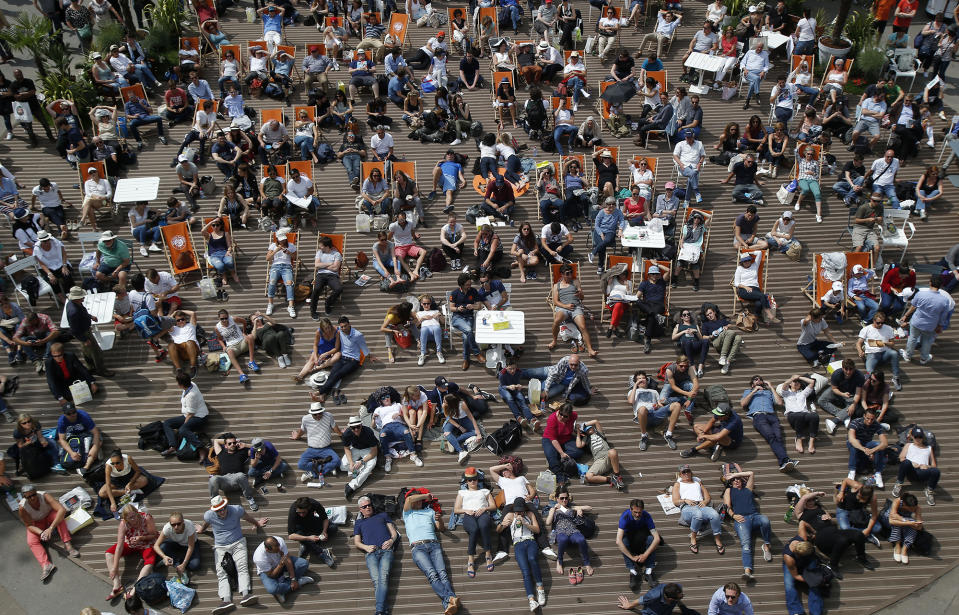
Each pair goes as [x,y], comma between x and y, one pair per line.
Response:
[321,281]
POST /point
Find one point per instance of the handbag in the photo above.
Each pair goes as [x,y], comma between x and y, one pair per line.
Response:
[784,195]
[747,321]
[80,392]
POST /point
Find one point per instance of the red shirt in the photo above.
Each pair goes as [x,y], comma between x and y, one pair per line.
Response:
[905,6]
[500,194]
[175,98]
[892,280]
[62,364]
[561,431]
[635,207]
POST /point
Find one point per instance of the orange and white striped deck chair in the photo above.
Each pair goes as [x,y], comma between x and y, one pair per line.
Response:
[846,68]
[611,261]
[564,162]
[228,227]
[763,255]
[557,174]
[486,11]
[604,105]
[661,78]
[554,277]
[271,114]
[249,48]
[291,237]
[136,89]
[703,243]
[179,249]
[556,101]
[83,168]
[399,24]
[194,44]
[797,60]
[664,266]
[853,259]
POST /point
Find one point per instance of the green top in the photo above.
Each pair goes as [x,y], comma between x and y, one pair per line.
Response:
[113,257]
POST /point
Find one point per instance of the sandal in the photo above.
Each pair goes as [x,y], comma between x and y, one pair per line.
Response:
[489,564]
[116,593]
[579,575]
[720,549]
[694,548]
[572,576]
[470,570]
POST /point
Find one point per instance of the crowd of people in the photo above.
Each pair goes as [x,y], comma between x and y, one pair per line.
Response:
[430,89]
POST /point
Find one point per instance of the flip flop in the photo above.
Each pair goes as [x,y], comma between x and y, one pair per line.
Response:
[489,565]
[720,549]
[116,593]
[694,548]
[470,570]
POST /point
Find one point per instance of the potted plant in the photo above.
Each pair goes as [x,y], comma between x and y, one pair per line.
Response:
[836,44]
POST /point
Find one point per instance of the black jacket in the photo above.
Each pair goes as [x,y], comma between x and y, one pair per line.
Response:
[60,385]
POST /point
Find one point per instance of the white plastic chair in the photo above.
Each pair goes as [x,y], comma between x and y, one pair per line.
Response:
[905,57]
[897,230]
[22,264]
[90,237]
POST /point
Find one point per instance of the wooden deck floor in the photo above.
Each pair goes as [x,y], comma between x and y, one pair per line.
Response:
[272,405]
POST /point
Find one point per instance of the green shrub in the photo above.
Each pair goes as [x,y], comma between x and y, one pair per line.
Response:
[110,33]
[869,64]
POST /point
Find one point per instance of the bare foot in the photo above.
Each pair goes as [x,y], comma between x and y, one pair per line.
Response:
[552,346]
[589,571]
[812,447]
[799,445]
[559,568]
[593,354]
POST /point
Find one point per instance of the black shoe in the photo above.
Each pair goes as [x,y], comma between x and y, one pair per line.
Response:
[865,563]
[835,572]
[348,491]
[635,581]
[689,452]
[314,316]
[448,209]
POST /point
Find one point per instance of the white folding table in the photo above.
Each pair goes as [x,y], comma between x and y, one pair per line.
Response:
[498,328]
[133,189]
[703,62]
[649,236]
[100,306]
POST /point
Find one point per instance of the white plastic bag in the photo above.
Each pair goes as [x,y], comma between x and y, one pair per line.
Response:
[21,112]
[80,392]
[207,288]
[363,223]
[76,498]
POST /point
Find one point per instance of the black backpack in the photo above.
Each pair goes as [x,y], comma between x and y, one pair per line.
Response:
[34,461]
[535,115]
[151,436]
[436,261]
[383,503]
[186,451]
[77,444]
[504,439]
[229,567]
[151,588]
[548,144]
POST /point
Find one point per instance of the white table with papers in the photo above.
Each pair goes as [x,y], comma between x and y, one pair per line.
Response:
[133,189]
[498,328]
[649,236]
[703,62]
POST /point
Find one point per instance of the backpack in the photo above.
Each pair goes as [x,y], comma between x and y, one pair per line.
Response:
[373,401]
[96,477]
[228,565]
[325,153]
[473,212]
[661,373]
[151,588]
[436,260]
[504,439]
[77,444]
[548,143]
[716,393]
[31,285]
[146,323]
[535,114]
[476,130]
[383,503]
[930,437]
[187,451]
[515,463]
[151,436]
[395,286]
[34,461]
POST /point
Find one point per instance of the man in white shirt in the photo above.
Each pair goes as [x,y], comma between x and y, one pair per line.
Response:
[549,59]
[755,65]
[404,238]
[689,156]
[648,412]
[203,125]
[164,287]
[869,121]
[192,418]
[300,194]
[51,204]
[124,66]
[176,544]
[273,136]
[883,173]
[876,344]
[279,571]
[703,41]
[666,24]
[556,241]
[607,27]
[381,145]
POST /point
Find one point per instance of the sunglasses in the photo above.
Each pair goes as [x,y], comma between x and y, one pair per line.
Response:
[181,320]
[472,479]
[563,498]
[362,506]
[224,318]
[70,413]
[731,596]
[229,443]
[180,524]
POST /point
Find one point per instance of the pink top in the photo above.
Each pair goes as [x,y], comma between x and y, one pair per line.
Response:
[561,431]
[729,46]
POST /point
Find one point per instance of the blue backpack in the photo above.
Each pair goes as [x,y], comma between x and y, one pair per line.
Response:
[146,323]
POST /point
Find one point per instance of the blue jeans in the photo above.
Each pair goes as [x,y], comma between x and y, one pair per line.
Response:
[224,81]
[464,325]
[601,241]
[221,261]
[353,165]
[378,563]
[666,397]
[692,174]
[276,272]
[178,428]
[517,403]
[144,74]
[256,472]
[310,454]
[921,338]
[845,190]
[146,235]
[920,204]
[576,85]
[755,80]
[135,123]
[396,432]
[803,48]
[889,191]
[813,93]
[767,424]
[842,518]
[563,541]
[794,600]
[455,437]
[578,396]
[479,529]
[280,586]
[892,305]
[488,166]
[526,553]
[866,307]
[553,458]
[383,270]
[858,458]
[631,540]
[431,332]
[559,131]
[178,552]
[699,516]
[513,13]
[875,359]
[305,143]
[745,531]
[929,476]
[428,557]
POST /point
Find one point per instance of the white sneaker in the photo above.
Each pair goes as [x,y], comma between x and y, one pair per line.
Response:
[305,580]
[925,361]
[878,477]
[541,596]
[456,141]
[305,477]
[9,135]
[463,456]
[902,353]
[415,459]
[549,553]
[533,605]
[830,426]
[851,475]
[440,357]
[585,93]
[155,248]
[590,257]
[575,109]
[286,359]
[500,556]
[281,361]
[796,206]
[421,360]
[143,252]
[722,359]
[818,218]
[388,465]
[269,309]
[291,311]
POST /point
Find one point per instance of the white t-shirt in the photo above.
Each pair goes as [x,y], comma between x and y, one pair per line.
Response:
[50,198]
[748,276]
[806,28]
[381,145]
[266,561]
[430,319]
[231,333]
[547,234]
[516,487]
[644,398]
[642,177]
[871,334]
[388,414]
[183,539]
[474,499]
[689,155]
[163,285]
[795,401]
[280,257]
[204,121]
[100,188]
[299,189]
[191,402]
[183,334]
[402,236]
[887,178]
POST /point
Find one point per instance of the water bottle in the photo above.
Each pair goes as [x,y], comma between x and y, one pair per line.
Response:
[747,195]
[577,34]
[534,153]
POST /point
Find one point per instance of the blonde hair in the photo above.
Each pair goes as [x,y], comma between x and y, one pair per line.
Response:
[803,549]
[89,610]
[129,512]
